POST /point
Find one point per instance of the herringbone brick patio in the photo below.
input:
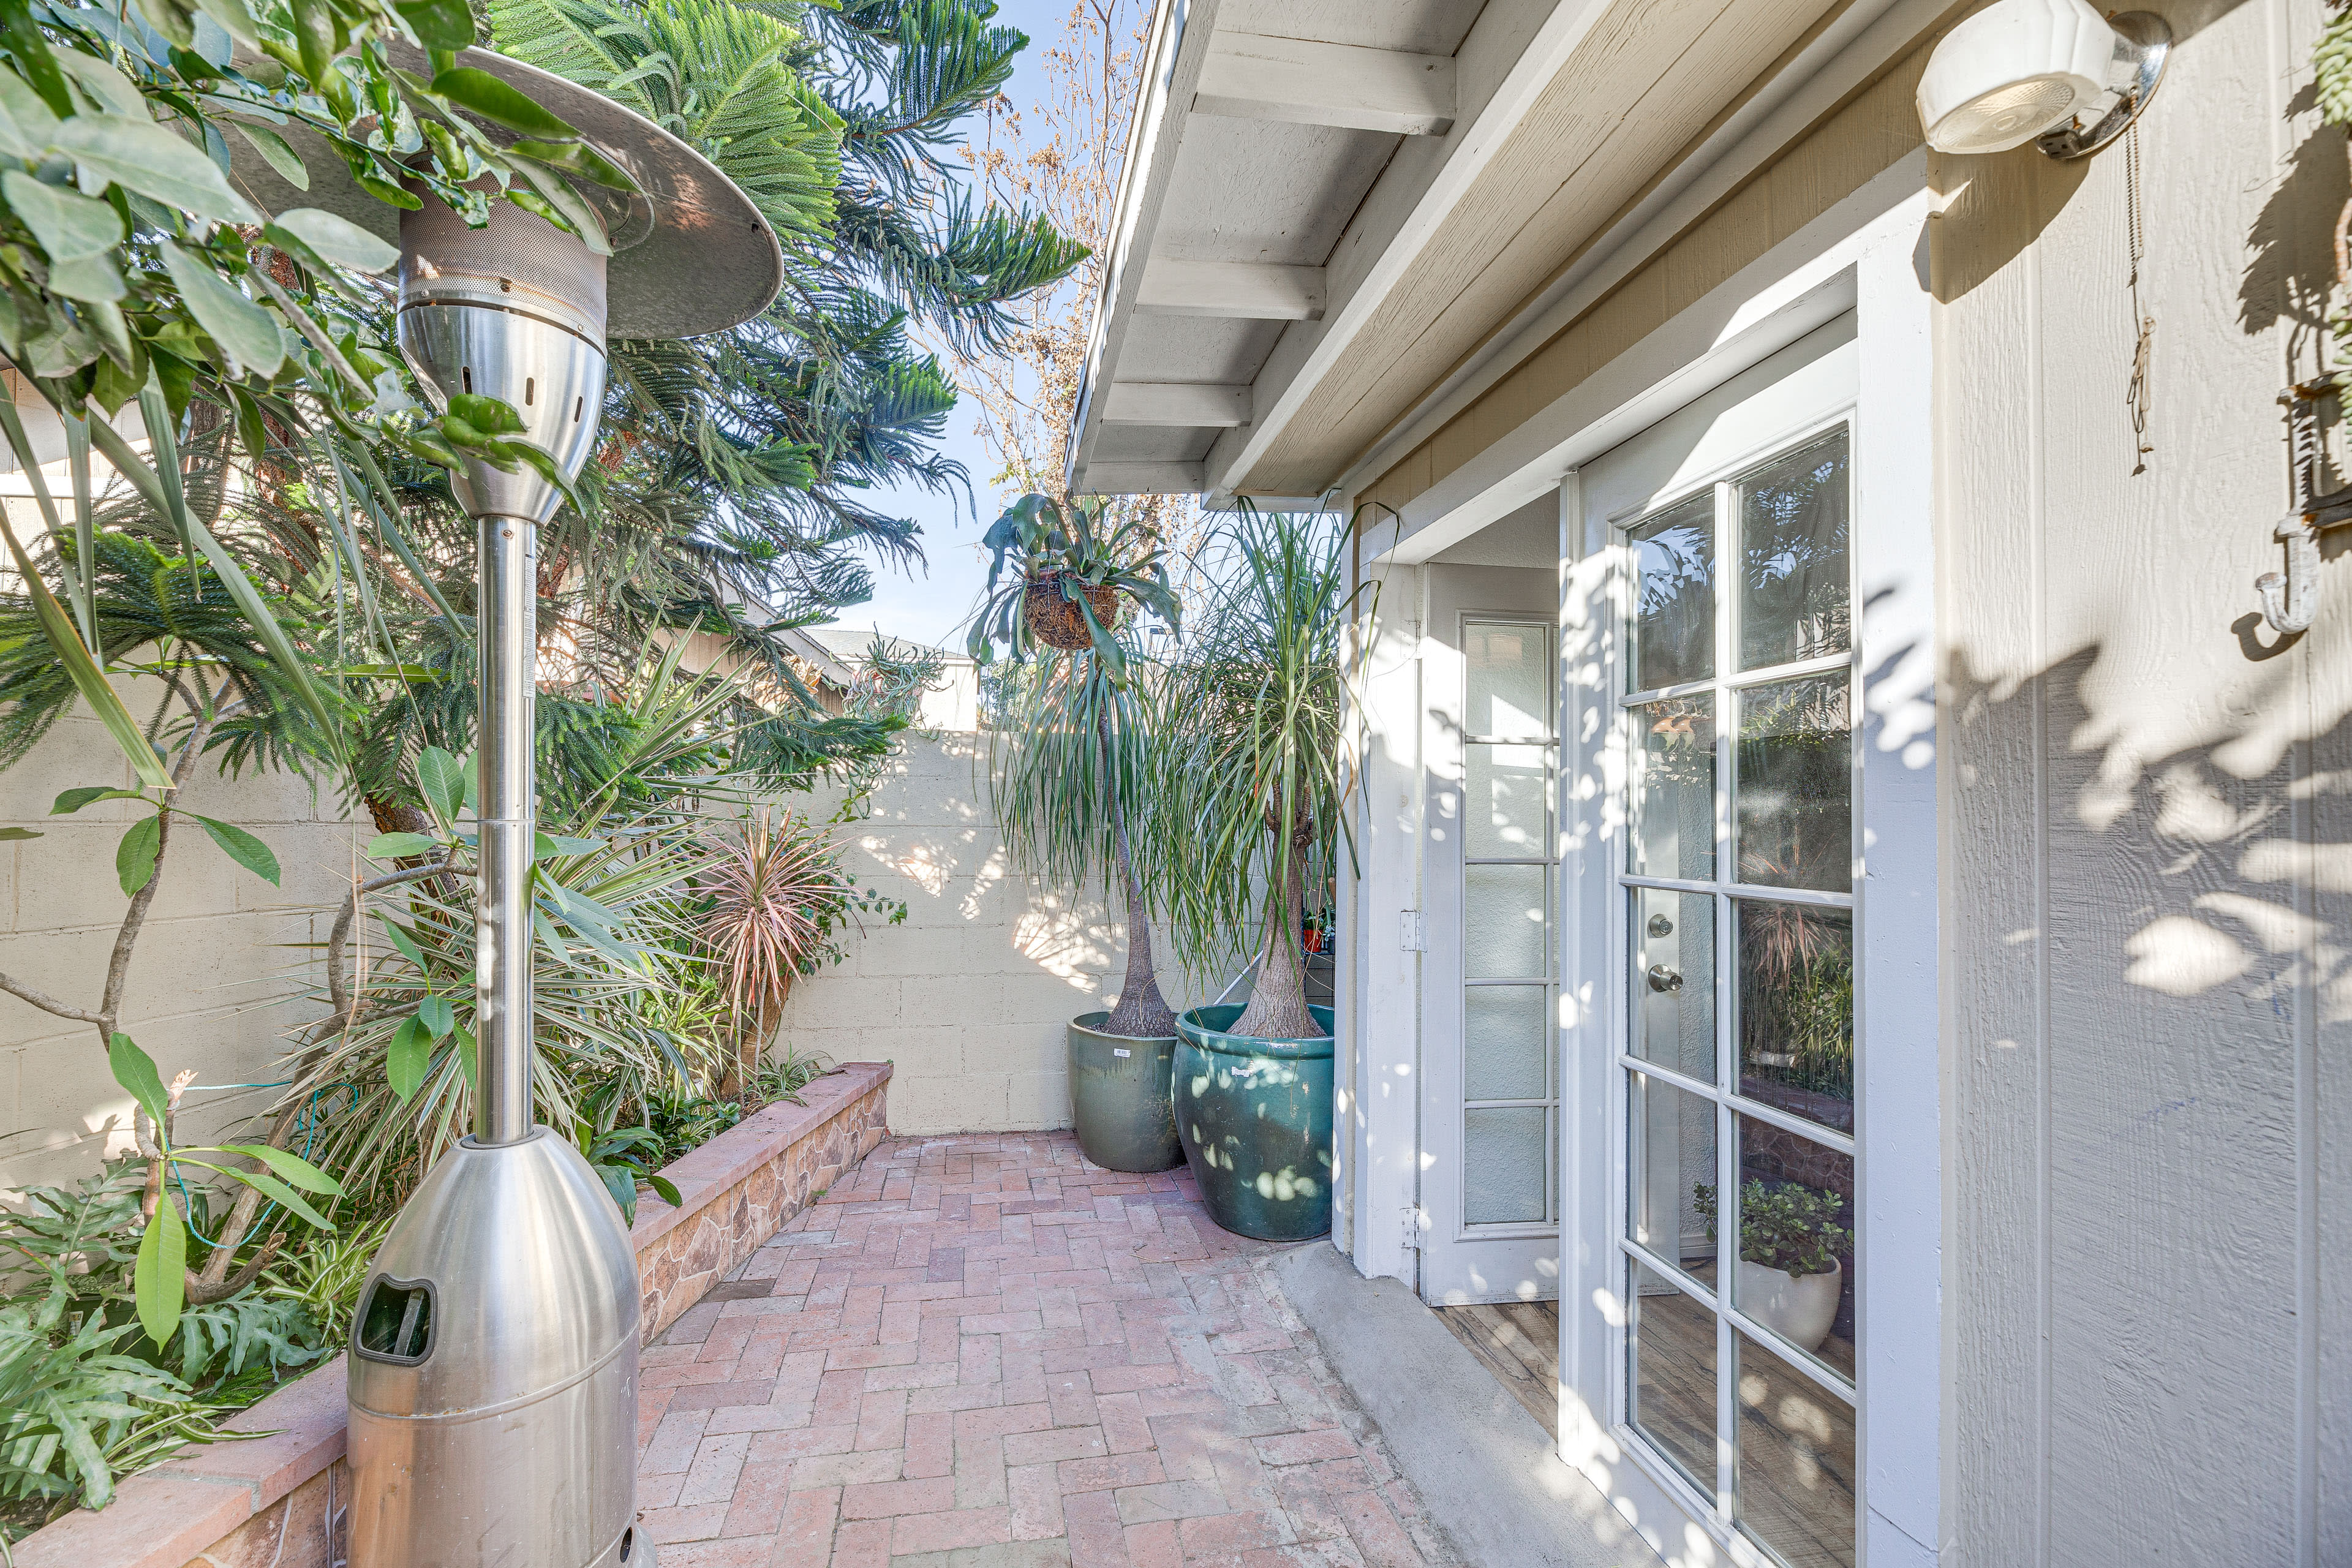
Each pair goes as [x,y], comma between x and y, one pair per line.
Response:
[982,1352]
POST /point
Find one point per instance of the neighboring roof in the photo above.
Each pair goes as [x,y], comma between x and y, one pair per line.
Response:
[1332,210]
[850,642]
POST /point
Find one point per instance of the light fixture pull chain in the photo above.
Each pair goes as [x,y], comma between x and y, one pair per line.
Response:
[2136,396]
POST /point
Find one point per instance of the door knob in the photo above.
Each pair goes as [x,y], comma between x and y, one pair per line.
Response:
[1663,979]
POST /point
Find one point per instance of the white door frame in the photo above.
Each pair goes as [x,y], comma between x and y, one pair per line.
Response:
[1898,1128]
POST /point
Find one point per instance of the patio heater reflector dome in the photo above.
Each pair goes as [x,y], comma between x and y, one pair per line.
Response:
[493,1359]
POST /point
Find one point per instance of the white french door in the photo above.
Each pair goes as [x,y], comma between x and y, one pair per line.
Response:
[1489,1212]
[1717,922]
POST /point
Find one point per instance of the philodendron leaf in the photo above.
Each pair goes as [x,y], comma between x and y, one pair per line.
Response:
[436,1014]
[243,847]
[68,224]
[407,1057]
[142,157]
[400,846]
[159,1279]
[245,333]
[443,780]
[329,239]
[484,94]
[134,1069]
[134,858]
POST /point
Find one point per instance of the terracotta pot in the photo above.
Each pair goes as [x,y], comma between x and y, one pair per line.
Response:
[1056,622]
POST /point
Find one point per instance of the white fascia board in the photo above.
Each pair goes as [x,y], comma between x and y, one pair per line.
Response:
[1170,72]
[1303,358]
[1141,478]
[1801,283]
[1236,291]
[1855,48]
[1248,76]
[1194,405]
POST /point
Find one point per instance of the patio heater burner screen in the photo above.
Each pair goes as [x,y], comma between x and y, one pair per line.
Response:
[493,1366]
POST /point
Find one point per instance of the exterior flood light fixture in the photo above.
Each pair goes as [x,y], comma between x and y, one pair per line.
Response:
[2052,72]
[493,1359]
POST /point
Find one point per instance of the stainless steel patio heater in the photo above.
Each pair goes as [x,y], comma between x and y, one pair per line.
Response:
[493,1359]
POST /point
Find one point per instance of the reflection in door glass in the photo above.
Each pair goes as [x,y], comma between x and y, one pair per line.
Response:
[1506,1156]
[1796,1270]
[1507,1041]
[1507,807]
[1795,1460]
[1673,606]
[1792,546]
[1674,800]
[1795,1008]
[1670,1174]
[1671,987]
[1671,1344]
[1796,785]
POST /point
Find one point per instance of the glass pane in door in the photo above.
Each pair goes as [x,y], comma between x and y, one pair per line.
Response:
[1794,1461]
[1792,556]
[1507,680]
[1507,1042]
[1672,988]
[1670,1342]
[1507,922]
[1796,1008]
[1796,785]
[1674,596]
[1507,811]
[1505,1163]
[1674,799]
[1670,1174]
[1795,1225]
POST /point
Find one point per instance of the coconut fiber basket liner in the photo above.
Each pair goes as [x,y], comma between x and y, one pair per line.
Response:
[1056,621]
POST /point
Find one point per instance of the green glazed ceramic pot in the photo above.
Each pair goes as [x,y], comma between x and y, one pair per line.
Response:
[1255,1119]
[1118,1096]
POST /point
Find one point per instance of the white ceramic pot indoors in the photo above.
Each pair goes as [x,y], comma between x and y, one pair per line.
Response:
[1798,1308]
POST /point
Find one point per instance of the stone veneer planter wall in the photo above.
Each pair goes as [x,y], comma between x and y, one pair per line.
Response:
[275,1501]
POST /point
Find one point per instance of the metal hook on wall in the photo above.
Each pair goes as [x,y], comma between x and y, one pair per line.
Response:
[2291,600]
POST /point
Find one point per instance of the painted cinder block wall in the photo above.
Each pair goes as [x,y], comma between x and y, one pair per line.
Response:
[969,998]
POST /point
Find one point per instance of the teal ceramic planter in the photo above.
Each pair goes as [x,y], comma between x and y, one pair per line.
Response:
[1255,1119]
[1118,1097]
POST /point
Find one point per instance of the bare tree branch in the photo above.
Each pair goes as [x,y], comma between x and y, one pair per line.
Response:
[49,1003]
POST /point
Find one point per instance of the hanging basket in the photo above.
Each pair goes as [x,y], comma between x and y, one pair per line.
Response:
[1057,622]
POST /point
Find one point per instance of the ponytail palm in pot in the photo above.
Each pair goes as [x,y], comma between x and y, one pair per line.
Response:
[1069,774]
[1253,783]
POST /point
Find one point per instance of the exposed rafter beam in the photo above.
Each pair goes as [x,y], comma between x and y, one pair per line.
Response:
[1196,404]
[1246,291]
[1141,478]
[1250,76]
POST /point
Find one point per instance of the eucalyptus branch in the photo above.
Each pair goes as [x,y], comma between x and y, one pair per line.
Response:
[338,990]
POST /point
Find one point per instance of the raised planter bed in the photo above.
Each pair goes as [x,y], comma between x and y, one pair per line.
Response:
[279,1501]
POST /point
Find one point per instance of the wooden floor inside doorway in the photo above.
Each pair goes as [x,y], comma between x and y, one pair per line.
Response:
[1518,1341]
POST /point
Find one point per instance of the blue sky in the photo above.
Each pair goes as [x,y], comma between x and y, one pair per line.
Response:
[928,605]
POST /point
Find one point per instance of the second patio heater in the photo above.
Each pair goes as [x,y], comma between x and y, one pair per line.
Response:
[493,1360]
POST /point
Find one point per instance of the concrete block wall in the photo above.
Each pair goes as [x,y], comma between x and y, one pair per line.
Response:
[219,972]
[969,999]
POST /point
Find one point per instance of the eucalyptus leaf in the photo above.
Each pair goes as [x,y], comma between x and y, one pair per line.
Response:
[479,92]
[294,1169]
[335,240]
[275,152]
[436,1014]
[134,1069]
[159,1279]
[134,856]
[243,847]
[407,1058]
[10,835]
[400,846]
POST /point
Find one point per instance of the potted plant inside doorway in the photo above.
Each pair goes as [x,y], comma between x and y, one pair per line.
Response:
[1068,775]
[1253,779]
[1790,1279]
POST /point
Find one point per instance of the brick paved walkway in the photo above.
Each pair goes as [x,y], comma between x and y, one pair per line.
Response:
[982,1352]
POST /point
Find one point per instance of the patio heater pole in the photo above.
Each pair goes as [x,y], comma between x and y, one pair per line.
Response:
[493,1365]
